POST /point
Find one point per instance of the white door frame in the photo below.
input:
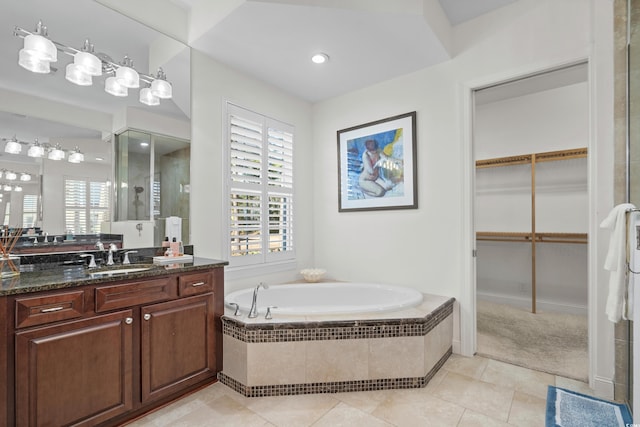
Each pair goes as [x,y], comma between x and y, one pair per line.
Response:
[468,328]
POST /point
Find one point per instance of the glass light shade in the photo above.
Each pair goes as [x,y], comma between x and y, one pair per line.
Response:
[40,47]
[33,64]
[13,147]
[36,150]
[7,187]
[76,75]
[25,177]
[161,88]
[88,62]
[56,153]
[128,77]
[17,188]
[76,157]
[11,176]
[1,174]
[146,97]
[112,86]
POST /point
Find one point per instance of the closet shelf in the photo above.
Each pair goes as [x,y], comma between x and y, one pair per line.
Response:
[500,236]
[548,156]
[532,237]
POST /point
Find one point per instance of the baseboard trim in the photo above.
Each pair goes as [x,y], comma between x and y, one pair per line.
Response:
[603,387]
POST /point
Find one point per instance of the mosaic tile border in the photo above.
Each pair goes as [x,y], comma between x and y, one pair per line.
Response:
[335,330]
[333,387]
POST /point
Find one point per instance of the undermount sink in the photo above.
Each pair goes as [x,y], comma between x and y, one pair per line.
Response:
[120,269]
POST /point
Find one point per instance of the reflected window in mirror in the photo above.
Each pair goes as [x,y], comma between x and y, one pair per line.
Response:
[87,204]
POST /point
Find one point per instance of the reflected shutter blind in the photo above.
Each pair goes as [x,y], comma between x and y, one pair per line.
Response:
[260,187]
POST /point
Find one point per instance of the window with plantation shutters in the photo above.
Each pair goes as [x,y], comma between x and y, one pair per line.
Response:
[29,210]
[260,188]
[86,205]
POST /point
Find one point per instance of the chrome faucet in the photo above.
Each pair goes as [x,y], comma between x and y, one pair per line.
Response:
[112,249]
[253,312]
[126,256]
[100,245]
[92,261]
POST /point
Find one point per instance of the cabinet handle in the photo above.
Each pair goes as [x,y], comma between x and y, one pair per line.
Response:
[198,284]
[128,320]
[52,309]
[147,316]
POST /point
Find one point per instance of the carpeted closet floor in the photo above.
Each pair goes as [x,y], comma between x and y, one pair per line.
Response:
[549,342]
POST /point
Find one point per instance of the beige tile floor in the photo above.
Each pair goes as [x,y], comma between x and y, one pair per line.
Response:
[465,392]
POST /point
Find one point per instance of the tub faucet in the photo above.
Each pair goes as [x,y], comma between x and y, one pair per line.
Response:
[254,306]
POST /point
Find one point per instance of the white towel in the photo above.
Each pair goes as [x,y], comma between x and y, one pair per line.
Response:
[634,263]
[616,260]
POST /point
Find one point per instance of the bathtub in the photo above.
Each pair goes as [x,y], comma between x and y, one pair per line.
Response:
[334,337]
[327,298]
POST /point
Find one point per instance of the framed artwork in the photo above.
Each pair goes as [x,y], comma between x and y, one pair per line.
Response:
[377,165]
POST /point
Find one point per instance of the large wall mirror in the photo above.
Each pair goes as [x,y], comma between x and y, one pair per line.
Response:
[46,109]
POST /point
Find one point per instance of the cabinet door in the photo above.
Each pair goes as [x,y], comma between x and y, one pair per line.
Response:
[74,373]
[177,345]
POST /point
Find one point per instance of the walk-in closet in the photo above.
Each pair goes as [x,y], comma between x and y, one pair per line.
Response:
[531,218]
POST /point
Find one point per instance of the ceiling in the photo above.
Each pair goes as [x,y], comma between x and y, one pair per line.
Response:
[367,42]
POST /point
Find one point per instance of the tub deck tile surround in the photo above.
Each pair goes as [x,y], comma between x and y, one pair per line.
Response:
[360,353]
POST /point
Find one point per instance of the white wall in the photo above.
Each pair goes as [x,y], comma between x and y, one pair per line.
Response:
[425,248]
[212,85]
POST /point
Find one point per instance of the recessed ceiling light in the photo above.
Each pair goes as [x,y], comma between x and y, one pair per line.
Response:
[320,58]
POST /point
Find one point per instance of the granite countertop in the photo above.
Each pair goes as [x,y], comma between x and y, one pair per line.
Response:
[73,276]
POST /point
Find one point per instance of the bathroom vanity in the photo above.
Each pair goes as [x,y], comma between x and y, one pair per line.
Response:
[97,349]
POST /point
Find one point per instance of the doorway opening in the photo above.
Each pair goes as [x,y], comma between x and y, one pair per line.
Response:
[530,139]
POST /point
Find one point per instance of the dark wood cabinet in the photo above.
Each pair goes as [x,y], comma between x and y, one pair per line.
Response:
[104,353]
[75,373]
[177,345]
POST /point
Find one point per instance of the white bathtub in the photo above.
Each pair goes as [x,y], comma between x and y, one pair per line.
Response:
[327,298]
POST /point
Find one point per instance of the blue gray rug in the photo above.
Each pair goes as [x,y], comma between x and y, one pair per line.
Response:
[567,408]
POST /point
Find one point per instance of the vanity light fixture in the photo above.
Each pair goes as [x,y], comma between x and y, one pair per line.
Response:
[112,87]
[17,188]
[25,177]
[36,150]
[148,98]
[13,146]
[76,156]
[56,153]
[126,76]
[160,87]
[7,187]
[320,58]
[39,51]
[11,176]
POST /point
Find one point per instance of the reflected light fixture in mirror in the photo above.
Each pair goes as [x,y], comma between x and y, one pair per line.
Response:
[36,150]
[76,156]
[56,153]
[13,146]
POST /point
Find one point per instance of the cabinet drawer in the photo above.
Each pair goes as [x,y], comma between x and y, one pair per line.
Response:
[196,283]
[129,294]
[39,310]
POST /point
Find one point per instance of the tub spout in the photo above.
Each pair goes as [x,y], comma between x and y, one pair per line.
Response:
[253,312]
